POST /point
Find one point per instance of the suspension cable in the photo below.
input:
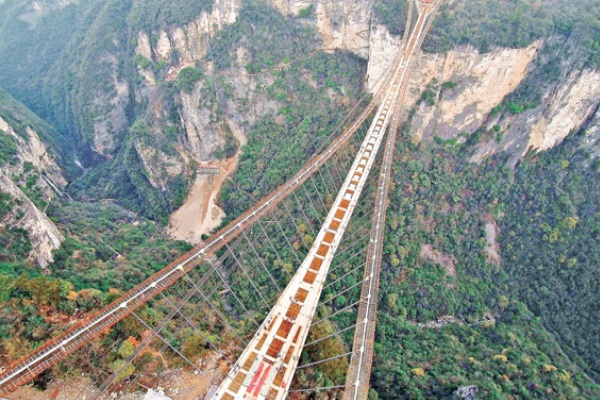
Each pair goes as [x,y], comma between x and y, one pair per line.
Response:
[166,342]
[274,248]
[342,293]
[261,262]
[238,263]
[344,276]
[194,327]
[213,308]
[235,296]
[347,261]
[316,389]
[317,213]
[301,208]
[318,193]
[295,224]
[323,361]
[287,240]
[331,335]
[335,313]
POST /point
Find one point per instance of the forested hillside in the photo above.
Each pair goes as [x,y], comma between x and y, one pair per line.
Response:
[466,245]
[518,23]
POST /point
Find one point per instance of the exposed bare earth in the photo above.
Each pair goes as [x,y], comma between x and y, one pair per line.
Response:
[492,248]
[428,253]
[200,214]
[175,384]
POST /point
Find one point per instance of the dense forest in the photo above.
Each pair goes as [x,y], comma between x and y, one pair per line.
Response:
[462,313]
[490,272]
[518,23]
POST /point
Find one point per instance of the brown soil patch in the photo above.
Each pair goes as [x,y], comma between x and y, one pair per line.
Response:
[492,247]
[200,215]
[428,253]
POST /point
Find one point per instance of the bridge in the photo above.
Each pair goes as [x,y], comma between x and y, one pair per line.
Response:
[332,227]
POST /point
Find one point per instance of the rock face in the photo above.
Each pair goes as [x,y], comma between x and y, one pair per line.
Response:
[210,120]
[483,81]
[479,83]
[343,25]
[33,159]
[382,47]
[190,41]
[567,108]
[109,116]
[592,140]
[43,234]
[466,392]
[292,7]
[464,87]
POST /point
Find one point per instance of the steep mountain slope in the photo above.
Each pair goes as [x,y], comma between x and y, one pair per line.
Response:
[117,97]
[30,178]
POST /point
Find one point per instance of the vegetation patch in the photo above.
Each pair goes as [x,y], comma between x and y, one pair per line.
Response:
[188,77]
[8,149]
[514,24]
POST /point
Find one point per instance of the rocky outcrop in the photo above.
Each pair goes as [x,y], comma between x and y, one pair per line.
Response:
[34,151]
[467,86]
[191,41]
[466,392]
[592,138]
[342,25]
[292,7]
[106,108]
[203,135]
[33,160]
[567,108]
[482,82]
[464,87]
[43,234]
[382,48]
[345,25]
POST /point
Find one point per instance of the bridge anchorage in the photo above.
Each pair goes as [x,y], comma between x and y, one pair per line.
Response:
[235,297]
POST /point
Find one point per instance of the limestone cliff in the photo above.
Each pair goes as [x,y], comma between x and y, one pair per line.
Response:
[190,42]
[33,170]
[191,130]
[342,25]
[566,109]
[466,87]
[467,92]
[382,47]
[482,82]
[211,121]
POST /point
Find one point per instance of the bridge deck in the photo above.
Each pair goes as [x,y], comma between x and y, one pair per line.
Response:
[266,367]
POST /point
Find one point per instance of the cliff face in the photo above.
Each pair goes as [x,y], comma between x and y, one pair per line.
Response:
[479,83]
[468,92]
[204,131]
[382,47]
[212,115]
[34,171]
[341,24]
[565,109]
[107,109]
[191,41]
